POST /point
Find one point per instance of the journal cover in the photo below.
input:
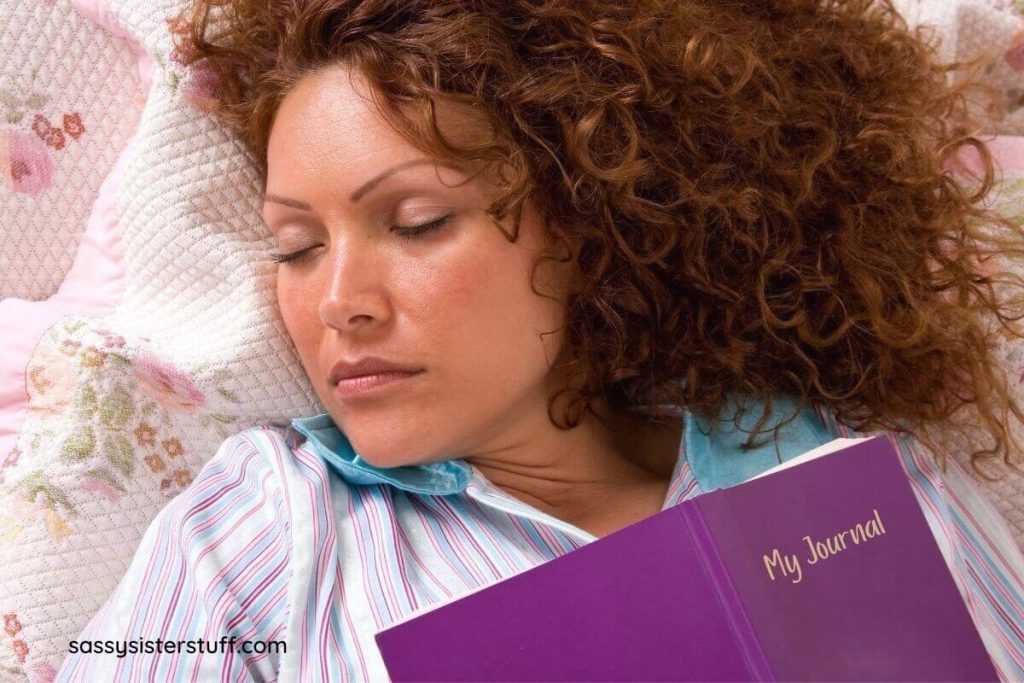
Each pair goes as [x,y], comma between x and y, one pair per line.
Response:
[823,569]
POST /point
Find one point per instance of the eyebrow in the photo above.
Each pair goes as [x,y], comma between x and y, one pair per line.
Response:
[365,187]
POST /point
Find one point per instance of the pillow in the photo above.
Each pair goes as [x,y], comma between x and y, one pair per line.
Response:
[968,28]
[1008,198]
[65,115]
[162,340]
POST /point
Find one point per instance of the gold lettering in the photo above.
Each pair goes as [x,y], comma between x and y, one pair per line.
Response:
[790,564]
[774,561]
[814,555]
[822,550]
[793,564]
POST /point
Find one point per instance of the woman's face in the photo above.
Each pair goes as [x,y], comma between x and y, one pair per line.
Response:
[454,301]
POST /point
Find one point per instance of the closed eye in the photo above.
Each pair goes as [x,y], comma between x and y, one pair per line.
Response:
[410,232]
[294,256]
[413,231]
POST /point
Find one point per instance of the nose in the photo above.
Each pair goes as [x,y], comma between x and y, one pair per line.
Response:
[356,289]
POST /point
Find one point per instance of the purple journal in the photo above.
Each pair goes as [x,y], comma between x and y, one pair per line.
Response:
[823,569]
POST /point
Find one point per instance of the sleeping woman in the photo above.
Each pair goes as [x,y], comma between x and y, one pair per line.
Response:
[546,263]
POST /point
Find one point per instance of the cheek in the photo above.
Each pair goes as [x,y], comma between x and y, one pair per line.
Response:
[481,307]
[439,300]
[299,313]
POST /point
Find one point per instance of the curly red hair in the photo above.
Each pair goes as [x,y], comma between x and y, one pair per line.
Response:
[757,193]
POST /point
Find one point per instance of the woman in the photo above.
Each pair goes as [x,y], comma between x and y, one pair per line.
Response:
[548,236]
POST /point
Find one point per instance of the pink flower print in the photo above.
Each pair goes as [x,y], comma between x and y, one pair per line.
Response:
[182,478]
[103,488]
[70,346]
[11,624]
[41,126]
[113,340]
[53,379]
[92,357]
[166,384]
[176,26]
[73,125]
[202,87]
[37,377]
[41,672]
[175,55]
[1014,56]
[20,650]
[12,458]
[173,447]
[55,138]
[145,434]
[25,164]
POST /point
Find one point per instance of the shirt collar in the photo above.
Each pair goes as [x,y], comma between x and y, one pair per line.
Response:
[716,459]
[713,450]
[439,478]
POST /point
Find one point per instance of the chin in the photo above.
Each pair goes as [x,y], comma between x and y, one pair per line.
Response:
[383,452]
[393,441]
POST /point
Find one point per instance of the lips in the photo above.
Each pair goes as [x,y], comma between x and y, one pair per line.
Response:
[367,366]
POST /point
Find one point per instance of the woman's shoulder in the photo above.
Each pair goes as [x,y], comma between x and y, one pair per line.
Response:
[220,559]
[275,452]
[260,471]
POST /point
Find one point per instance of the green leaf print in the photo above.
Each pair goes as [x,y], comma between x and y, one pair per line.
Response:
[79,445]
[117,408]
[229,395]
[119,452]
[119,359]
[87,403]
[37,100]
[36,484]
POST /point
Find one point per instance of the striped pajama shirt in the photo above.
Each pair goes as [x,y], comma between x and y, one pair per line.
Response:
[287,535]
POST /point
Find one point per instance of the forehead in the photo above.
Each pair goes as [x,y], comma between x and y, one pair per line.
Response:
[329,117]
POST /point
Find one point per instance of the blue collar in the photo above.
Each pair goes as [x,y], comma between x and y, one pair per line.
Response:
[714,456]
[438,478]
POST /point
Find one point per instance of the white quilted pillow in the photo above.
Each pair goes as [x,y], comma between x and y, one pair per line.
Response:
[65,115]
[162,340]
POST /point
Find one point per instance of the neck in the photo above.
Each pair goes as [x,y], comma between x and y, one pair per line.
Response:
[585,474]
